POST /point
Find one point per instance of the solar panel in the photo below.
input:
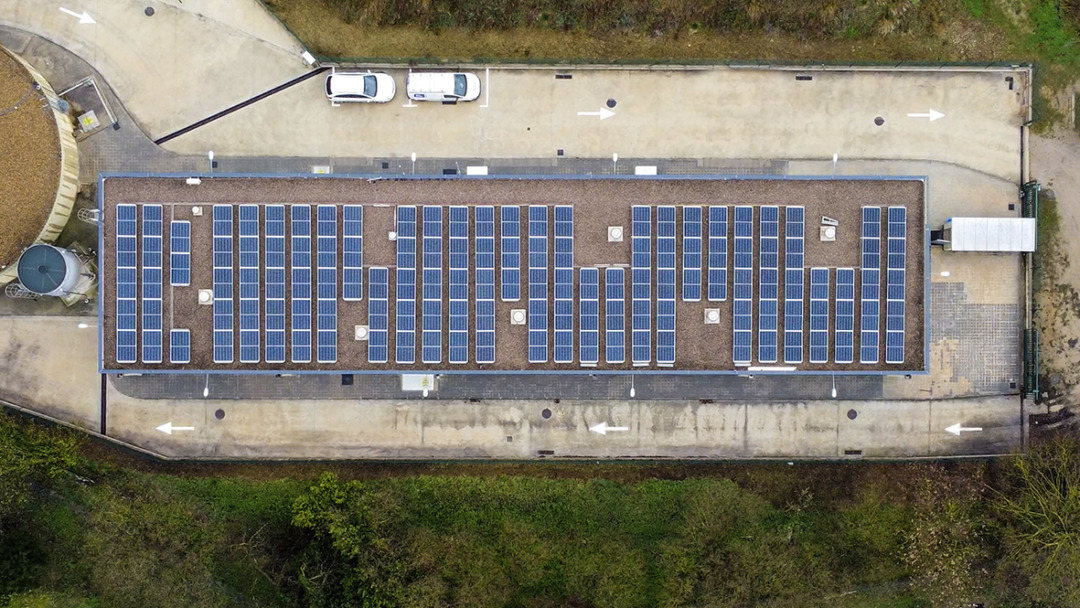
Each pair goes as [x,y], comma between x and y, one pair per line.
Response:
[352,252]
[179,346]
[614,315]
[844,334]
[223,284]
[431,328]
[691,242]
[378,314]
[326,281]
[151,284]
[301,283]
[564,284]
[793,284]
[485,284]
[510,260]
[819,315]
[180,253]
[274,242]
[717,253]
[126,284]
[538,282]
[871,286]
[665,286]
[250,321]
[641,286]
[459,285]
[743,284]
[405,326]
[769,243]
[896,281]
[589,294]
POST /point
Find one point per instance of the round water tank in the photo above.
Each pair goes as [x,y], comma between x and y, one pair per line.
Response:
[48,270]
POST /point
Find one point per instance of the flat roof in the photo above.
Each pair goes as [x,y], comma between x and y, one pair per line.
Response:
[348,275]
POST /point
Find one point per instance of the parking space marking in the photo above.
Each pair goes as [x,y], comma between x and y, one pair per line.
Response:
[487,87]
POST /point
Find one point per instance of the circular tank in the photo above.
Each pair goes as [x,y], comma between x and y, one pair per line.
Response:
[48,270]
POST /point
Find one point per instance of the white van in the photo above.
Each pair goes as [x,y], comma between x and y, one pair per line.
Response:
[442,86]
[369,87]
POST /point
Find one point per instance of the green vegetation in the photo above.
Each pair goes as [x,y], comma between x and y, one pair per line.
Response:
[86,533]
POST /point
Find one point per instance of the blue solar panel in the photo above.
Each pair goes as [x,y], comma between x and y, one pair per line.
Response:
[793,284]
[538,282]
[275,283]
[665,286]
[769,243]
[301,283]
[378,314]
[870,313]
[179,346]
[223,284]
[431,322]
[151,284]
[459,286]
[405,327]
[250,321]
[896,281]
[326,280]
[743,284]
[819,315]
[641,286]
[691,242]
[717,254]
[844,334]
[564,284]
[614,315]
[510,260]
[352,252]
[485,284]
[589,294]
[180,253]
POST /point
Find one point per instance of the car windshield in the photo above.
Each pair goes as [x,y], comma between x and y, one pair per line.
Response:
[369,86]
[459,85]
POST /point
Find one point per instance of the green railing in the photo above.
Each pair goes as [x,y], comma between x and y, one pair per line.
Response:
[1031,363]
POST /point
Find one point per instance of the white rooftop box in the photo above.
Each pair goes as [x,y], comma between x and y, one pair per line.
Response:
[1001,234]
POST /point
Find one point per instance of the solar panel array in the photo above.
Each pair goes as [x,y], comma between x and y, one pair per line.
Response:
[819,315]
[768,306]
[301,283]
[614,315]
[431,324]
[326,260]
[510,245]
[538,283]
[743,309]
[250,323]
[127,284]
[405,320]
[564,284]
[179,346]
[274,240]
[179,253]
[151,284]
[589,294]
[352,253]
[871,285]
[844,334]
[665,286]
[223,284]
[459,286]
[378,314]
[485,284]
[718,262]
[896,285]
[641,286]
[793,284]
[691,242]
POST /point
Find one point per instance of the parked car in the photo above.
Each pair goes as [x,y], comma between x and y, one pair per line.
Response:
[442,86]
[363,87]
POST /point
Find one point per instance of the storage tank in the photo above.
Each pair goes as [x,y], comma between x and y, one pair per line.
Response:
[50,271]
[39,166]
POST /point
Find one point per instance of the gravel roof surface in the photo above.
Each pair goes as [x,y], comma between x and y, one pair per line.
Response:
[29,159]
[598,203]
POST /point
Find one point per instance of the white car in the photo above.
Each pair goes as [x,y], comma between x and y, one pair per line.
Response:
[442,86]
[363,87]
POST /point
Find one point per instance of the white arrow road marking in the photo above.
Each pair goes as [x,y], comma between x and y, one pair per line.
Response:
[603,113]
[83,17]
[956,429]
[168,428]
[603,428]
[932,115]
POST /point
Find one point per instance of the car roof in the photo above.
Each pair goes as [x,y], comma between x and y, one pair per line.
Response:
[348,83]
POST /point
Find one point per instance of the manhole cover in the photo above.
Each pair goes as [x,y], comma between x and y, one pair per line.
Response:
[220,414]
[149,11]
[611,102]
[879,121]
[545,414]
[852,414]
